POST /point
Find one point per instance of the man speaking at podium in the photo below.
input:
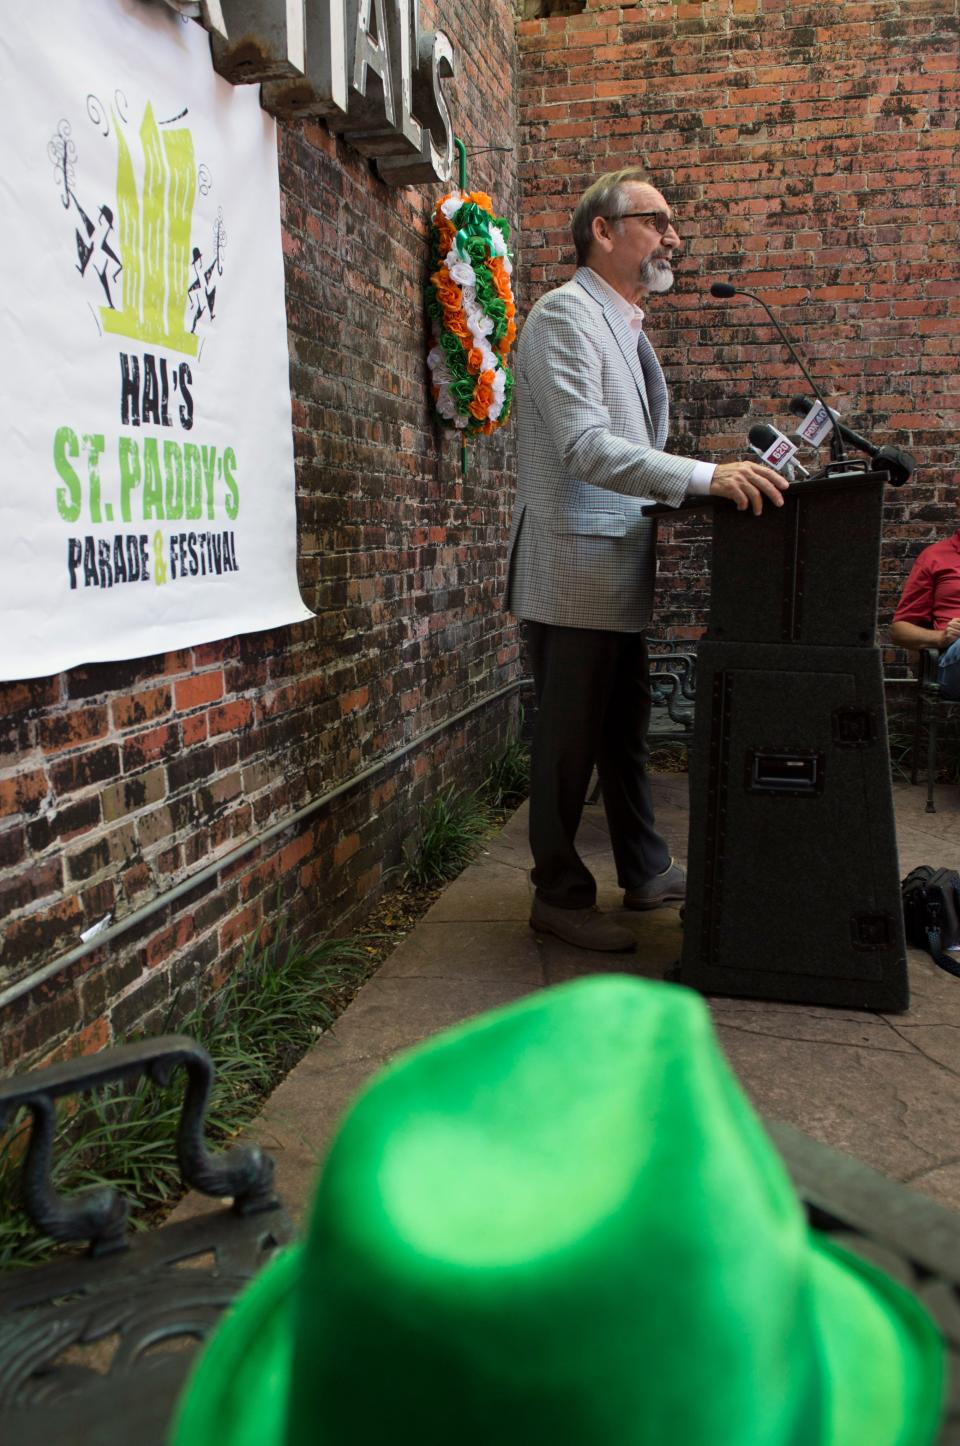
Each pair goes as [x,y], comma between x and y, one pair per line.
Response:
[592,418]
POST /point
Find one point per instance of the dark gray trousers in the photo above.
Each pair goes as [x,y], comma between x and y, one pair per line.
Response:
[593,709]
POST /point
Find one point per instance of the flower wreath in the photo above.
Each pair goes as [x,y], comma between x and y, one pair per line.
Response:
[470,305]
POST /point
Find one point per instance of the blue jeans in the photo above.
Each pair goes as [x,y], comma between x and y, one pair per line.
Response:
[949,673]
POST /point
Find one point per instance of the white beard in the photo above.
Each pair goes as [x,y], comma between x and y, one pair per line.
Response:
[656,274]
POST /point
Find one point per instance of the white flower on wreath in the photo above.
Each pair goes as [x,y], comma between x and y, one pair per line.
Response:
[480,324]
[461,271]
[497,243]
[437,363]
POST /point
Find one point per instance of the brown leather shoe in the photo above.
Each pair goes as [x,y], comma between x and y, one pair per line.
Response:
[584,928]
[670,887]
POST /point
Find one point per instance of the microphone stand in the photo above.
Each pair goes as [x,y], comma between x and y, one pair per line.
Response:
[724,289]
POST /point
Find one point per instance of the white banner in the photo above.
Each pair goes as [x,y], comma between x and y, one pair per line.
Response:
[147,496]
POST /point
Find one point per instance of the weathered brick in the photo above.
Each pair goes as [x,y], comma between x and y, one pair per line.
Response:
[345,849]
[230,717]
[82,769]
[232,825]
[133,793]
[192,767]
[37,936]
[123,843]
[142,707]
[218,793]
[30,696]
[59,731]
[151,745]
[161,823]
[240,925]
[12,846]
[17,738]
[136,881]
[169,941]
[201,688]
[23,793]
[193,729]
[83,863]
[62,824]
[49,1019]
[88,1040]
[135,1006]
[17,890]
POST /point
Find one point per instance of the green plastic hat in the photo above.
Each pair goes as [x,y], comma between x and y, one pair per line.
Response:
[562,1224]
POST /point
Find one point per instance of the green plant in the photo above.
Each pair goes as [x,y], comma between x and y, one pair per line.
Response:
[508,781]
[451,827]
[281,996]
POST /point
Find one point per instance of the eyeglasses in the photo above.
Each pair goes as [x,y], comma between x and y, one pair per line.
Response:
[660,221]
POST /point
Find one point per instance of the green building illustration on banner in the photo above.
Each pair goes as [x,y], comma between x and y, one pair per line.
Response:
[154,237]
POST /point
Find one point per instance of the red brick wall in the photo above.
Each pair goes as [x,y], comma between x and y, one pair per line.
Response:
[810,153]
[121,781]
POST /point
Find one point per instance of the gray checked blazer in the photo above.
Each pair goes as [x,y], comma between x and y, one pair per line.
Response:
[592,423]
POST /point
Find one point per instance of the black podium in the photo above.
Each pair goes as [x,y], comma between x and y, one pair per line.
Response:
[793,879]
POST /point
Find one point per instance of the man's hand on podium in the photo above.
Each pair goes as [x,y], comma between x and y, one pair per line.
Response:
[747,483]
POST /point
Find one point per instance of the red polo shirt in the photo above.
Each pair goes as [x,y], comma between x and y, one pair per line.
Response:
[932,594]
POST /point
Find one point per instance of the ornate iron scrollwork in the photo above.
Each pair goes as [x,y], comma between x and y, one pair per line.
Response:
[673,687]
[96,1351]
[100,1216]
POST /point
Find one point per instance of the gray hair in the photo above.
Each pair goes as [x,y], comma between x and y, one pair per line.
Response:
[606,197]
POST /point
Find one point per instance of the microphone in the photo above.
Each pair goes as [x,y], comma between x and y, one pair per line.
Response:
[724,290]
[800,406]
[899,464]
[775,449]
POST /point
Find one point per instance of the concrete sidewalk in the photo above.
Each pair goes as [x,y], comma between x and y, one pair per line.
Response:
[885,1089]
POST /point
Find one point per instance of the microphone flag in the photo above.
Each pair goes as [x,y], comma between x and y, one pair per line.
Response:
[779,452]
[816,425]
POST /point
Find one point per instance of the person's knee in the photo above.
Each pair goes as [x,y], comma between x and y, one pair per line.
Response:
[949,672]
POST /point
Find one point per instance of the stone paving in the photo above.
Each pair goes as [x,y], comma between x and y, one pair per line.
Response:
[883,1088]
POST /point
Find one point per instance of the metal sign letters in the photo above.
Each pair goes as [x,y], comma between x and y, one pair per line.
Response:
[364,65]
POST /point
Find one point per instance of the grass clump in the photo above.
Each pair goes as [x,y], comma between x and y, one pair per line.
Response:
[454,824]
[451,829]
[508,781]
[278,1000]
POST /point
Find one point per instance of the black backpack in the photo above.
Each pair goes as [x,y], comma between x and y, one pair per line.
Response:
[931,913]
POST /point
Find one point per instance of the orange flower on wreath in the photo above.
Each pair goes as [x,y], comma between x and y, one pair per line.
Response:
[482,396]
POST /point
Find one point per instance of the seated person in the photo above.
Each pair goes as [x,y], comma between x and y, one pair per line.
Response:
[928,613]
